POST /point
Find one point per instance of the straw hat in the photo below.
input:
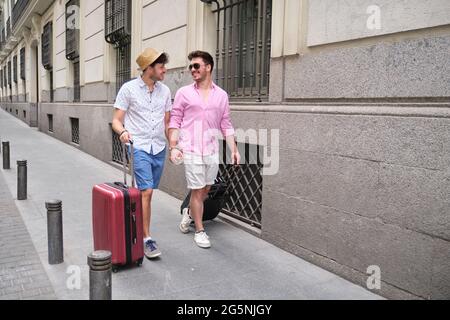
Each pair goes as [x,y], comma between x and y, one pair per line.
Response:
[147,57]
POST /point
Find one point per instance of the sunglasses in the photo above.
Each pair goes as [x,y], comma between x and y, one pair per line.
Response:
[196,66]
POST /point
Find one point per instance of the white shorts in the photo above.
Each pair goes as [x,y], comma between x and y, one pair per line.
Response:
[201,171]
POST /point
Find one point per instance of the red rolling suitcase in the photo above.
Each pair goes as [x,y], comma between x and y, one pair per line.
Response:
[117,220]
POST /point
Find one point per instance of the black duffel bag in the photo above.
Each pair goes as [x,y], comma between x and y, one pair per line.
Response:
[215,201]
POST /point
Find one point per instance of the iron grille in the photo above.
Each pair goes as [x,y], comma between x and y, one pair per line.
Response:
[243,47]
[52,96]
[118,33]
[22,64]
[15,68]
[47,46]
[50,122]
[18,8]
[75,130]
[76,81]
[72,32]
[117,148]
[9,74]
[244,185]
[8,28]
[118,22]
[123,65]
[5,76]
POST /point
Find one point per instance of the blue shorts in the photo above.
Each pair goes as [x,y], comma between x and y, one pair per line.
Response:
[148,168]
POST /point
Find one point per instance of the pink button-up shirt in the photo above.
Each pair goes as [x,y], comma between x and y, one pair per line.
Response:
[200,123]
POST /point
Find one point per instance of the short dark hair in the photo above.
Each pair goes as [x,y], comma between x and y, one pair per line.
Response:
[163,58]
[207,58]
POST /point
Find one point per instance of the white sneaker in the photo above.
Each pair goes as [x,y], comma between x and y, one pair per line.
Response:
[185,221]
[202,240]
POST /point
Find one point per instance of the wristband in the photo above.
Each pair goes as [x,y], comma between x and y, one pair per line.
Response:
[122,133]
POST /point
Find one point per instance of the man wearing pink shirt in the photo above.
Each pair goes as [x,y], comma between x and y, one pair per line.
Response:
[200,113]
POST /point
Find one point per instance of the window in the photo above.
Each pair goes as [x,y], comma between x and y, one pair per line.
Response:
[76,81]
[52,97]
[18,8]
[5,77]
[123,65]
[118,21]
[73,44]
[8,28]
[117,148]
[75,130]
[9,74]
[243,47]
[50,122]
[118,33]
[72,31]
[47,46]
[15,69]
[244,184]
[22,64]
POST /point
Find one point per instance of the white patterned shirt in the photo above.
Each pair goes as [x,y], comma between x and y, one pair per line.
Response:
[145,111]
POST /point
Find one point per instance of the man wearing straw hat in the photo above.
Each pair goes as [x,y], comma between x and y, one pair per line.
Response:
[142,113]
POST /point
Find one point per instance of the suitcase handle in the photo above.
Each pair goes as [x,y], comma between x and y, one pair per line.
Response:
[131,163]
[133,227]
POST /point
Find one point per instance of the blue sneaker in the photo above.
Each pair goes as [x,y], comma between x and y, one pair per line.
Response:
[150,249]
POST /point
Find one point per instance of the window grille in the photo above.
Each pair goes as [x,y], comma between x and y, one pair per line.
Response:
[22,64]
[15,69]
[75,130]
[72,32]
[118,33]
[18,8]
[117,148]
[243,47]
[76,81]
[244,185]
[50,122]
[47,46]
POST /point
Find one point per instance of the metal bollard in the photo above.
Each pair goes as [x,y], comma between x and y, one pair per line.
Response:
[100,275]
[21,180]
[55,232]
[6,165]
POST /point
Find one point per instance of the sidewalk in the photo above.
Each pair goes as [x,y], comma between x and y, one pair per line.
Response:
[22,275]
[238,266]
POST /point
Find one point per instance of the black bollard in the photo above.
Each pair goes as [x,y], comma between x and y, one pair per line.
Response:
[55,232]
[21,180]
[6,165]
[100,275]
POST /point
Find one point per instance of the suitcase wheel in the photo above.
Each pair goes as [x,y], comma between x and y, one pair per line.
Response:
[139,262]
[115,269]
